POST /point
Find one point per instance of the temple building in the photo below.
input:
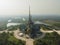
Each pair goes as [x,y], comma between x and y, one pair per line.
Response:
[30,28]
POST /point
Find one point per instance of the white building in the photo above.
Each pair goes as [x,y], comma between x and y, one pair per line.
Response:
[12,24]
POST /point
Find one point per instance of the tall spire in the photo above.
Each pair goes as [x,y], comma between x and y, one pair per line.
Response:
[30,18]
[29,13]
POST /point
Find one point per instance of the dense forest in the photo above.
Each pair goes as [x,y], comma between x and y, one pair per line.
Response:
[9,39]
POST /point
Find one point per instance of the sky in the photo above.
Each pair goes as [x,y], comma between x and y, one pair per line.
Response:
[21,7]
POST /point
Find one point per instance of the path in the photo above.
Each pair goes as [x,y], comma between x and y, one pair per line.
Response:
[58,31]
[28,41]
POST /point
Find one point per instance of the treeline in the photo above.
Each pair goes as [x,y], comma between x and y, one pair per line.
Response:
[3,27]
[57,24]
[9,39]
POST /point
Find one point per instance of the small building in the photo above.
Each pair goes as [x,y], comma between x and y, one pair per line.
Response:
[21,34]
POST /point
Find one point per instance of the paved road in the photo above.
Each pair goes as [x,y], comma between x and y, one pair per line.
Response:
[28,41]
[50,31]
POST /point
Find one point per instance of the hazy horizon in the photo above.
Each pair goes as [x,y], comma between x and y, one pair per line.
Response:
[21,7]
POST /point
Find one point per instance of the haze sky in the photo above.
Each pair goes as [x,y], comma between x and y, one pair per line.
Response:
[18,7]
